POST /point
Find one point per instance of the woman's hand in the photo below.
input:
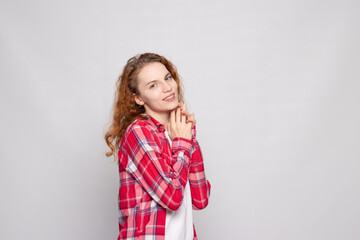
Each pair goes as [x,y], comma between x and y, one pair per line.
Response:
[189,117]
[178,126]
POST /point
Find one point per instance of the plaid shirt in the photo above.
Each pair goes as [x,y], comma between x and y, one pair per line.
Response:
[153,176]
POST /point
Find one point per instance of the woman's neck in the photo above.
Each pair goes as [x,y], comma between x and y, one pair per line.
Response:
[162,118]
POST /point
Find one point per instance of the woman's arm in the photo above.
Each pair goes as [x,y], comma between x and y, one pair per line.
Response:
[199,185]
[148,165]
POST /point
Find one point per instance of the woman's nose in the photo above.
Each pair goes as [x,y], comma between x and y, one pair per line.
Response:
[167,87]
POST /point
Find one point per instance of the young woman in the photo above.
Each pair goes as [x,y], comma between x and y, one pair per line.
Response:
[160,162]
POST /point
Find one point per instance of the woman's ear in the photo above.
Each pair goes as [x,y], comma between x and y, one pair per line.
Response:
[138,99]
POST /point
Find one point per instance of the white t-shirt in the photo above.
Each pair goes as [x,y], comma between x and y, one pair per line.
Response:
[179,223]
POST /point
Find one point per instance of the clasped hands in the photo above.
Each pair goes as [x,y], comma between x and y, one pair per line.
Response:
[180,122]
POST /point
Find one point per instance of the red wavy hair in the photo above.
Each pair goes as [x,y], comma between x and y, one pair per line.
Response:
[125,109]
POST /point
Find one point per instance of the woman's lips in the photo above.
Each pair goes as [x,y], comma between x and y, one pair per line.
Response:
[169,99]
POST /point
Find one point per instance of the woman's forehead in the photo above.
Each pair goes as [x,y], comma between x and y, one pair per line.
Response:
[152,71]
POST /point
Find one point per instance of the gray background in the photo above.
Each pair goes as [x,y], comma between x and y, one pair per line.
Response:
[274,86]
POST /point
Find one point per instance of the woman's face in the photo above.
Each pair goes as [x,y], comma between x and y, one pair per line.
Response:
[155,85]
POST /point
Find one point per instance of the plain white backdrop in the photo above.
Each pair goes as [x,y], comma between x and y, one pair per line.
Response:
[274,86]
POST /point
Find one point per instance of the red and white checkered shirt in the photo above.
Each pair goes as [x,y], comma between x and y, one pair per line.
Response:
[153,176]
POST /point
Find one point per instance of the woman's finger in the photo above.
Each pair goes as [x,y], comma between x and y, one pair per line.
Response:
[192,119]
[186,114]
[189,117]
[172,118]
[178,115]
[184,111]
[189,125]
[183,118]
[183,108]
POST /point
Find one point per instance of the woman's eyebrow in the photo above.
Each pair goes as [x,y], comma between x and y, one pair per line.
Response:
[156,80]
[150,82]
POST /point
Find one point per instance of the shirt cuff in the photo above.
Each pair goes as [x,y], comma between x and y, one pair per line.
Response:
[193,131]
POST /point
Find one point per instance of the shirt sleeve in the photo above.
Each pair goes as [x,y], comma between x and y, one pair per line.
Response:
[148,164]
[200,187]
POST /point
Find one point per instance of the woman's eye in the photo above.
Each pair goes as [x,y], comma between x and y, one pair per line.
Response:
[167,78]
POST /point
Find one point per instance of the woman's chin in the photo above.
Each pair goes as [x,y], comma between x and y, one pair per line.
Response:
[171,106]
[175,106]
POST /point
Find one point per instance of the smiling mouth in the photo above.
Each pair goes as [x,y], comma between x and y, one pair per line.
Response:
[171,98]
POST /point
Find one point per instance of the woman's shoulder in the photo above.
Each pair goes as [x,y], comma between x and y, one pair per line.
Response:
[138,125]
[133,132]
[138,131]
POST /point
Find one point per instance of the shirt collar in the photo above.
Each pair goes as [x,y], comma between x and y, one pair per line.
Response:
[155,122]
